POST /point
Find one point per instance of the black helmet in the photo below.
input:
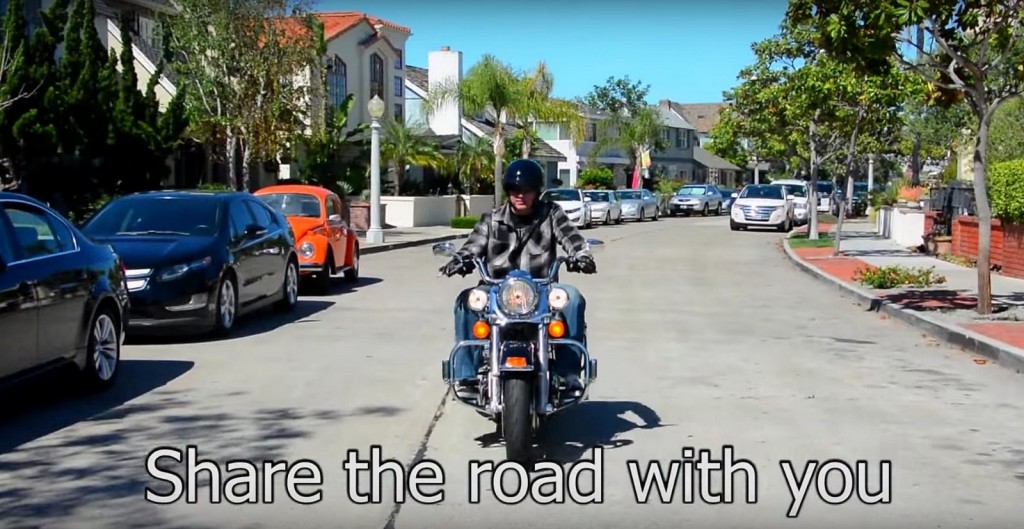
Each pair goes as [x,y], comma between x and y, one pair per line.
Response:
[524,173]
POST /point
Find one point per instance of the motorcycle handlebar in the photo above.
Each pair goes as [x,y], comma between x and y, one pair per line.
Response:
[478,263]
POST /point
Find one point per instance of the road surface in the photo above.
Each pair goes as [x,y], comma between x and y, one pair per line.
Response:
[705,338]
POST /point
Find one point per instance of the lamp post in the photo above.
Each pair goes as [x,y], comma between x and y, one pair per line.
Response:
[376,110]
[757,170]
[871,181]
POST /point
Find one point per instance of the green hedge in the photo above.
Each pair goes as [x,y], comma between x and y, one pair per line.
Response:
[464,222]
[1006,187]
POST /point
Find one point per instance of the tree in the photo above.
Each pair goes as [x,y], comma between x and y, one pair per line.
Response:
[402,146]
[629,123]
[1006,139]
[12,57]
[511,96]
[976,58]
[239,61]
[322,161]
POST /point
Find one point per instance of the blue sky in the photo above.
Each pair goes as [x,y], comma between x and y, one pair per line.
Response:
[688,51]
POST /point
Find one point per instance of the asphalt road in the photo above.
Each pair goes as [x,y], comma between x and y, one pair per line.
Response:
[705,338]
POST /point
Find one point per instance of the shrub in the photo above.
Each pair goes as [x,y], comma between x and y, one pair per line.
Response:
[464,223]
[596,177]
[1006,187]
[896,276]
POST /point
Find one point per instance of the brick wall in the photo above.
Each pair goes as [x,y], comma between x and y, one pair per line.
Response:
[1007,244]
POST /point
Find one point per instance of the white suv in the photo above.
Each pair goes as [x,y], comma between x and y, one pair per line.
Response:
[761,205]
[799,191]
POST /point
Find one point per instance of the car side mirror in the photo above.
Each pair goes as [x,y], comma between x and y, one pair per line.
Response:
[790,197]
[334,218]
[588,199]
[735,195]
[255,230]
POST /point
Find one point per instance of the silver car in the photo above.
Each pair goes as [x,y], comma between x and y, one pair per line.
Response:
[604,206]
[638,204]
[696,197]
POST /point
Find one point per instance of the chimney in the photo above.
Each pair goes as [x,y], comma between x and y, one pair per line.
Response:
[445,66]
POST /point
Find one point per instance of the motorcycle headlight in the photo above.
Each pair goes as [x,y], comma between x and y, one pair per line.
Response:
[477,299]
[558,298]
[307,249]
[517,297]
[176,271]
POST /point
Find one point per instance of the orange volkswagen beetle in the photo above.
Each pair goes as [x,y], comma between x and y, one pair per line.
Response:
[326,245]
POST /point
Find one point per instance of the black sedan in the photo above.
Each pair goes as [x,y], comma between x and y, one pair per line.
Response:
[62,297]
[196,260]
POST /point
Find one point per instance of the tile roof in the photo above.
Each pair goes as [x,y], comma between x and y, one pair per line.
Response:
[338,22]
[704,116]
[711,161]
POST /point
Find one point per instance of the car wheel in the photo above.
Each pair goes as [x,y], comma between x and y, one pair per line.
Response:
[619,220]
[607,218]
[657,212]
[641,217]
[103,353]
[352,274]
[290,287]
[704,210]
[733,226]
[227,306]
[323,279]
[718,210]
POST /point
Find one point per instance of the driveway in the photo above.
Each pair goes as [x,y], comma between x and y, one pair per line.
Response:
[728,345]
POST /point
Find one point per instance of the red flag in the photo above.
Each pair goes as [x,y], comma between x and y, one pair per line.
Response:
[636,177]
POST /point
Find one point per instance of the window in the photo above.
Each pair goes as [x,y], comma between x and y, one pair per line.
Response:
[666,134]
[398,61]
[241,218]
[261,213]
[337,81]
[37,232]
[686,140]
[398,86]
[332,207]
[591,132]
[376,76]
[679,139]
[399,113]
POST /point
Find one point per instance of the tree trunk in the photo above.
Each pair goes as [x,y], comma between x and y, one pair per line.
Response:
[844,206]
[246,166]
[499,157]
[812,191]
[526,143]
[229,152]
[984,214]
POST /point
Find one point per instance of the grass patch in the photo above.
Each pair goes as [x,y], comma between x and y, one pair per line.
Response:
[800,240]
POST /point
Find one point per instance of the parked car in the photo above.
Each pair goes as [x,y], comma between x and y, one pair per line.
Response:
[798,190]
[604,206]
[325,242]
[727,199]
[574,204]
[63,298]
[198,260]
[761,205]
[696,197]
[826,196]
[638,204]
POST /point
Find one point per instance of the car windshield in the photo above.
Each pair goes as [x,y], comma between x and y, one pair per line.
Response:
[293,204]
[860,187]
[556,195]
[726,192]
[599,196]
[629,195]
[762,191]
[185,215]
[795,190]
[692,190]
[824,187]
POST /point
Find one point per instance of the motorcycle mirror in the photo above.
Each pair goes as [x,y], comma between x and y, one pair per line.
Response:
[595,245]
[444,249]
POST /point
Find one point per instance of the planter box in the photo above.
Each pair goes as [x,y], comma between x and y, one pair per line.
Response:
[359,215]
[906,226]
[1007,244]
[884,221]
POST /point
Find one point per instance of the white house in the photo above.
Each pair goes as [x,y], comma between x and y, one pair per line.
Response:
[449,124]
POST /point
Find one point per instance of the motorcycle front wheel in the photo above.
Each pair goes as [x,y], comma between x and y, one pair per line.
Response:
[516,418]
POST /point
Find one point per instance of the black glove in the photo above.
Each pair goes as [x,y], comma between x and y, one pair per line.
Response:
[583,264]
[457,265]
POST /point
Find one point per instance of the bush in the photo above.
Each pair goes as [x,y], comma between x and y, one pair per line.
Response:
[896,276]
[596,177]
[464,223]
[1006,187]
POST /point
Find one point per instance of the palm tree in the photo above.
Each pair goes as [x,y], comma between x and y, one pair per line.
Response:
[633,134]
[542,107]
[473,159]
[491,85]
[402,146]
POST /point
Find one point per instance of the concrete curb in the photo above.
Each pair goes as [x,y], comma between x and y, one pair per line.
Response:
[389,246]
[1005,355]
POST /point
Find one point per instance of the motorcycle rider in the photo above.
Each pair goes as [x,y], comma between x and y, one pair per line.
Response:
[524,233]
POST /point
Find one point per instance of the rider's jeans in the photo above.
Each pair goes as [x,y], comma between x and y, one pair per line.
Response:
[467,360]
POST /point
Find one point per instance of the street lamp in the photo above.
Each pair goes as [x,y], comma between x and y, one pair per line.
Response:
[376,109]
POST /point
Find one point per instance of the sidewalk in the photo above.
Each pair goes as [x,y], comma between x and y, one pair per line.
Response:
[947,310]
[398,238]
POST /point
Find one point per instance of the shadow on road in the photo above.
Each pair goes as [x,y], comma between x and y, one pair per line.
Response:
[340,286]
[51,404]
[259,322]
[570,435]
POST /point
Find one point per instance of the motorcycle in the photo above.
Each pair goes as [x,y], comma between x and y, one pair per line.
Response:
[519,328]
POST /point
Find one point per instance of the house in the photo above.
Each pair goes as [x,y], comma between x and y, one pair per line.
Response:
[703,116]
[577,155]
[676,161]
[449,124]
